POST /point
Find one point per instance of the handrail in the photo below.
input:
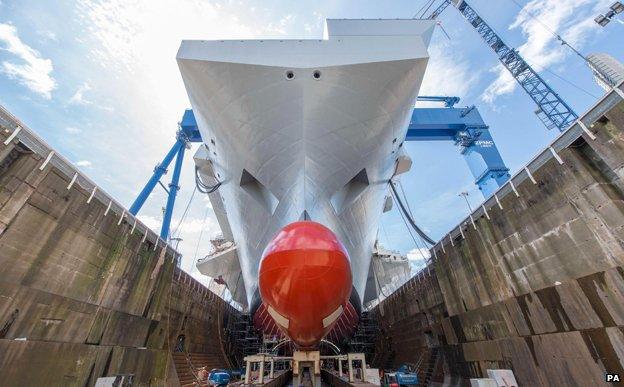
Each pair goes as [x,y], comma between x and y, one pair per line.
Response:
[192,367]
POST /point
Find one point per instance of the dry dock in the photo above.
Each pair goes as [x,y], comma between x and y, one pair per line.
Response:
[533,281]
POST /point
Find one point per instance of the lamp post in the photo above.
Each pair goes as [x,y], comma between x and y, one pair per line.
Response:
[465,196]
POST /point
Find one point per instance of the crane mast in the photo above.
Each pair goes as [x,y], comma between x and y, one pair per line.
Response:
[552,110]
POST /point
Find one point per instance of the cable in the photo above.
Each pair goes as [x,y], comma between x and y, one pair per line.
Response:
[378,283]
[541,68]
[418,246]
[424,244]
[383,229]
[203,187]
[409,218]
[409,231]
[184,213]
[555,34]
[201,234]
[427,9]
[420,10]
[405,198]
[563,42]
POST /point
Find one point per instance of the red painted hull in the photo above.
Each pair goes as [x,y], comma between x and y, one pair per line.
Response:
[305,281]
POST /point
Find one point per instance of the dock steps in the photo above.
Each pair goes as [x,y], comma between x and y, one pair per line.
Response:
[186,372]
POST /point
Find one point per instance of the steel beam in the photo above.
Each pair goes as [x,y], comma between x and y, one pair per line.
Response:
[159,171]
[174,187]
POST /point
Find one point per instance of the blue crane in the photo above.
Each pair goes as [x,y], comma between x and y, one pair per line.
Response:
[186,134]
[448,101]
[552,110]
[466,129]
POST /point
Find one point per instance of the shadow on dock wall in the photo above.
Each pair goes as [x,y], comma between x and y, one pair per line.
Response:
[538,288]
[81,295]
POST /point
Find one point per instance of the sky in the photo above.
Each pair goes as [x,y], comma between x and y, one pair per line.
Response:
[99,82]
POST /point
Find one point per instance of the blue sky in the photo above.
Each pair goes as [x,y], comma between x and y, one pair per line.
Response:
[98,80]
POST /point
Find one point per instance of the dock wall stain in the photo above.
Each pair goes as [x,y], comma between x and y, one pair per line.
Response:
[538,288]
[81,296]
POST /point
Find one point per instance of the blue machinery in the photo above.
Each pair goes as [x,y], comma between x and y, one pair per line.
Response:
[187,133]
[463,126]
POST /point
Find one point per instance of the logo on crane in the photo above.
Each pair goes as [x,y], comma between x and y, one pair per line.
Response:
[484,143]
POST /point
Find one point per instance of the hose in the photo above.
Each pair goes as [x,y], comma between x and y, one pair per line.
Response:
[203,187]
[420,232]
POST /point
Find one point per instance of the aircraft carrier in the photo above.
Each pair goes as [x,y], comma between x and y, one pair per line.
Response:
[300,153]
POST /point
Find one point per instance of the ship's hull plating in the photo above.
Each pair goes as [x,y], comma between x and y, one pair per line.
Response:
[310,135]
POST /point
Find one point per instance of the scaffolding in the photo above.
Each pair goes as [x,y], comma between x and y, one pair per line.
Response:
[363,340]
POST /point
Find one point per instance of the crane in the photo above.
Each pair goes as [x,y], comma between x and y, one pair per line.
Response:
[448,101]
[465,128]
[552,110]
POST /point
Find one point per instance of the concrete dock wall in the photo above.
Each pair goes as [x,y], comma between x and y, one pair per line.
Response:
[535,284]
[86,290]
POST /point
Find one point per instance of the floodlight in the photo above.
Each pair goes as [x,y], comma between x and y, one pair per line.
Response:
[602,20]
[617,7]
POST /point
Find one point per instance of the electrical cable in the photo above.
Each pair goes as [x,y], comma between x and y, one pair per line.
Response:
[203,187]
[409,218]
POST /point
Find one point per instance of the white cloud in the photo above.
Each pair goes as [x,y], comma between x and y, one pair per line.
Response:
[78,98]
[132,54]
[447,74]
[84,163]
[281,26]
[151,222]
[418,254]
[196,225]
[72,130]
[48,35]
[418,259]
[34,72]
[572,18]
